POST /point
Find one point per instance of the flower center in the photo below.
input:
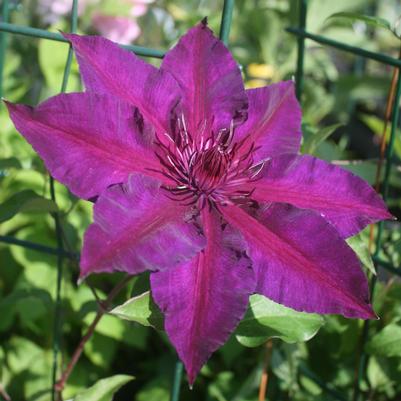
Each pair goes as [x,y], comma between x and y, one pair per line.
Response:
[206,169]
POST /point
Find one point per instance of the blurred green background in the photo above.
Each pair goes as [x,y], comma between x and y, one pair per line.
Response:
[343,103]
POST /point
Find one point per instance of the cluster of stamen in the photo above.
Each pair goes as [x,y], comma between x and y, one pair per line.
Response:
[206,169]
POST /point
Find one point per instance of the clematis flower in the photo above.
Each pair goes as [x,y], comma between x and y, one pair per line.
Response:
[200,181]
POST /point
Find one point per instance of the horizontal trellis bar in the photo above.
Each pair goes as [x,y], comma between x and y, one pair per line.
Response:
[37,247]
[44,34]
[71,255]
[380,57]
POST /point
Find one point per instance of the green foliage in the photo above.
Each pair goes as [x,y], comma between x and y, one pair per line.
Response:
[52,59]
[369,20]
[312,138]
[266,319]
[376,124]
[25,201]
[104,389]
[140,309]
[10,162]
[375,22]
[359,245]
[386,342]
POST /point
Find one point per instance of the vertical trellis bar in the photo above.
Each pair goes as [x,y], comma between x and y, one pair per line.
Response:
[363,363]
[57,312]
[175,391]
[390,149]
[226,19]
[299,77]
[5,7]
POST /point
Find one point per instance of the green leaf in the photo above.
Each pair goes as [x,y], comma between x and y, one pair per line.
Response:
[154,390]
[10,162]
[315,139]
[140,309]
[365,169]
[360,247]
[101,350]
[104,389]
[376,125]
[266,319]
[386,342]
[25,201]
[350,17]
[378,373]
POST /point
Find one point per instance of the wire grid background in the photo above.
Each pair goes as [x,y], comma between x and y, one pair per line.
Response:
[302,34]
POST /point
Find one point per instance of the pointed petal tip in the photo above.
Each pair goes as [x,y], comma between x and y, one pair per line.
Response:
[191,374]
[81,279]
[204,21]
[14,107]
[66,35]
[367,313]
[73,38]
[7,103]
[84,272]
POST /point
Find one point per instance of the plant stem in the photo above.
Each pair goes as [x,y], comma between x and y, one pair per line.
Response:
[4,393]
[59,386]
[264,380]
[175,391]
[387,117]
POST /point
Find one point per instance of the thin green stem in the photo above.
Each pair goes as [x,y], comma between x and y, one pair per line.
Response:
[226,19]
[103,308]
[363,360]
[57,309]
[175,391]
[299,79]
[57,221]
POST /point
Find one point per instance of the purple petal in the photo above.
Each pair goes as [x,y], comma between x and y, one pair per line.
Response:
[274,120]
[137,228]
[210,80]
[302,262]
[345,200]
[106,68]
[87,141]
[204,299]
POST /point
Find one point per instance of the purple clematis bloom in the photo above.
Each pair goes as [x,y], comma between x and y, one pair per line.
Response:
[200,181]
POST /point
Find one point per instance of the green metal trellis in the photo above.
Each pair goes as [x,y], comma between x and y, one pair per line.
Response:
[302,34]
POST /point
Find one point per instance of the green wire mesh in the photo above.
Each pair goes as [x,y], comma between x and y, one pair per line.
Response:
[302,34]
